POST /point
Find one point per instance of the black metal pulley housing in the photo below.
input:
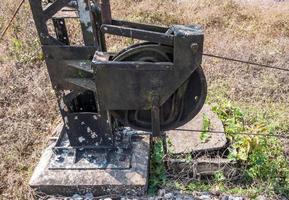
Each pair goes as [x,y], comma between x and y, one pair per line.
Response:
[156,85]
[180,107]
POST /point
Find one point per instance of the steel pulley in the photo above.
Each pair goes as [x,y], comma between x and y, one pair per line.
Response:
[180,107]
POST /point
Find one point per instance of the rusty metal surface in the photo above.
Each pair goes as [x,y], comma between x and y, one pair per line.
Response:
[66,12]
[124,82]
[78,158]
[142,71]
[153,86]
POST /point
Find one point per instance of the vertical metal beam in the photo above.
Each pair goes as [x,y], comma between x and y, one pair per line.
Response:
[52,9]
[155,116]
[97,20]
[107,135]
[85,21]
[105,11]
[60,30]
[37,11]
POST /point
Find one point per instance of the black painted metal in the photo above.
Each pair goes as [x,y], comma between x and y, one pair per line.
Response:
[60,30]
[156,85]
[151,36]
[181,106]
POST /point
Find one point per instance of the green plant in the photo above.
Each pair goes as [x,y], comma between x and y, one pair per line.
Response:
[266,169]
[25,52]
[219,176]
[193,186]
[267,164]
[262,156]
[205,136]
[157,167]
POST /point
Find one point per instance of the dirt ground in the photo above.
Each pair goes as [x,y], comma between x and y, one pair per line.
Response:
[257,31]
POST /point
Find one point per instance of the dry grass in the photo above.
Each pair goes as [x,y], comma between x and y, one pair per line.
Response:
[28,109]
[27,104]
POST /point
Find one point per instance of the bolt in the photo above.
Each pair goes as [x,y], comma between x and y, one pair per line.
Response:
[194,47]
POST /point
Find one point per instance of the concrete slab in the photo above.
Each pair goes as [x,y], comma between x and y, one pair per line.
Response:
[190,157]
[132,181]
[201,167]
[189,141]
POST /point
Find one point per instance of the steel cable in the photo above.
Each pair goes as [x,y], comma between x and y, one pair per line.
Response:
[237,133]
[250,63]
[11,19]
[205,54]
[245,62]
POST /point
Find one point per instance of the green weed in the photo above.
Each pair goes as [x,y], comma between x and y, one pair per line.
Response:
[157,167]
[262,156]
[205,136]
[26,52]
[266,169]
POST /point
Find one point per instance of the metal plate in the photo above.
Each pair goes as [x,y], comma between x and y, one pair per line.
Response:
[180,107]
[90,157]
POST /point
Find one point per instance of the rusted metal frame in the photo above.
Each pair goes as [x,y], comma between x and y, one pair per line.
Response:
[59,139]
[83,65]
[68,57]
[57,148]
[134,66]
[146,27]
[56,55]
[100,13]
[138,34]
[97,20]
[60,94]
[83,83]
[105,115]
[66,13]
[105,126]
[61,58]
[106,11]
[60,30]
[71,96]
[174,114]
[52,9]
[65,77]
[69,52]
[79,125]
[40,23]
[86,22]
[155,115]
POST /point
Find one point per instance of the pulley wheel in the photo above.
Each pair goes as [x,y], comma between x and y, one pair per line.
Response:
[180,107]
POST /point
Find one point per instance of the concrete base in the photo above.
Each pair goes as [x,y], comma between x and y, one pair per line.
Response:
[181,141]
[132,181]
[202,167]
[190,157]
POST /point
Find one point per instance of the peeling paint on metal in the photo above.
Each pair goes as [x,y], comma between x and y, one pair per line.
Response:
[93,135]
[81,139]
[84,14]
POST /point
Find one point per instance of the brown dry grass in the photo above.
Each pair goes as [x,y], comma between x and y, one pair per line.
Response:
[28,109]
[27,104]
